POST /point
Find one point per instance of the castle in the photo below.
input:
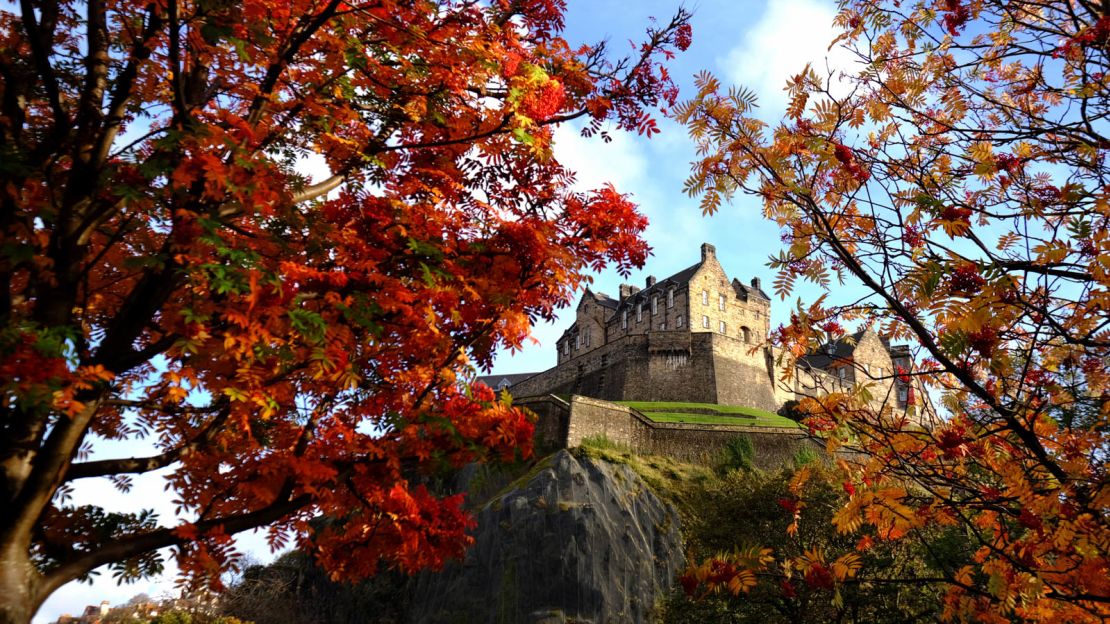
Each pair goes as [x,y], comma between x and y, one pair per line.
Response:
[698,336]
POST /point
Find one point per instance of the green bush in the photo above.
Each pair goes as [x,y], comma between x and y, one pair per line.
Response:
[739,510]
[737,454]
[602,442]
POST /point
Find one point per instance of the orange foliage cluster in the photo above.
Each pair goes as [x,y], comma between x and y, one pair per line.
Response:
[959,182]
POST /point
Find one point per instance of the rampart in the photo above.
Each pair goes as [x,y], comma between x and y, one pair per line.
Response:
[584,417]
[698,367]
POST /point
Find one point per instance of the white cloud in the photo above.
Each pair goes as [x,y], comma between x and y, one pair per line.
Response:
[790,34]
[620,161]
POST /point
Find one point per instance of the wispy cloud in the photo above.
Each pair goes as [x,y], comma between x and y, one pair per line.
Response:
[790,34]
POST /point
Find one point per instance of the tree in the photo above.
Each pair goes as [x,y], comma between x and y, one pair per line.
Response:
[290,347]
[743,511]
[955,175]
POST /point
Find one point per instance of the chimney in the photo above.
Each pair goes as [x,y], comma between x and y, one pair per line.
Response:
[650,281]
[707,250]
[755,283]
[627,290]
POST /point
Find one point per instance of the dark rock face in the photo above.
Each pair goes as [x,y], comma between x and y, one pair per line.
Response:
[581,541]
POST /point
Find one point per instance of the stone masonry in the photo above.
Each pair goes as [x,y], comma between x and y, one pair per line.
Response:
[699,336]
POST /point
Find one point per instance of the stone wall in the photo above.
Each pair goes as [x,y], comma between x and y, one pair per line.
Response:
[552,421]
[774,447]
[664,366]
[741,374]
[593,417]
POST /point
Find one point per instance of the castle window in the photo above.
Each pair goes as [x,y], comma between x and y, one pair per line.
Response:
[705,297]
[705,321]
[747,334]
[663,325]
[566,347]
[639,311]
[587,336]
[624,319]
[670,298]
[723,328]
[678,321]
[842,372]
[654,305]
[721,302]
[577,341]
[903,393]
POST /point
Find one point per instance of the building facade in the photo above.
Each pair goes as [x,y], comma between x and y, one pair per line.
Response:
[700,336]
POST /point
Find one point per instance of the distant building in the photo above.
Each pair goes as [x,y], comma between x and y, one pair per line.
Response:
[700,336]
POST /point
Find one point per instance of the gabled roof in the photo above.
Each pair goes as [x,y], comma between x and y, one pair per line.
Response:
[606,301]
[678,279]
[744,291]
[837,351]
[494,381]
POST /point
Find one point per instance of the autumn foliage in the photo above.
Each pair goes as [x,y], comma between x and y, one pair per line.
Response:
[953,177]
[289,346]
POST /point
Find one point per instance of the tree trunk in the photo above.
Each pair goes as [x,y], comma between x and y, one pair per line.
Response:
[17,579]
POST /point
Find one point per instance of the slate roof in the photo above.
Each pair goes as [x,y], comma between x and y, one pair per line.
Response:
[606,301]
[745,291]
[839,350]
[678,279]
[494,381]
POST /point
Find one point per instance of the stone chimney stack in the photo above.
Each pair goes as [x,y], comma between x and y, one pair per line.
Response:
[650,281]
[707,251]
[755,283]
[627,290]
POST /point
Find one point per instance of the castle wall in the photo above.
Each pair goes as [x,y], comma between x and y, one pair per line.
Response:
[592,417]
[741,375]
[552,422]
[677,366]
[774,447]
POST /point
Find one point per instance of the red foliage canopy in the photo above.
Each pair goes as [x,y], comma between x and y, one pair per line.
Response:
[293,346]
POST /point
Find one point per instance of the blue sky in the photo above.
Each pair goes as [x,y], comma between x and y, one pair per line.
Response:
[751,42]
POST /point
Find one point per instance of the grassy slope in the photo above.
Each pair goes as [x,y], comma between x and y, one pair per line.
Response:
[670,411]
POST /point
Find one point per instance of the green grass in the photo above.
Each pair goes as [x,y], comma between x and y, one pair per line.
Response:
[676,412]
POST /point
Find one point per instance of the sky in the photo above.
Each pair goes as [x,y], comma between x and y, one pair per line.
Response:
[754,43]
[751,43]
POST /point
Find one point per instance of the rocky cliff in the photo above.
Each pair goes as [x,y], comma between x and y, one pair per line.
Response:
[576,540]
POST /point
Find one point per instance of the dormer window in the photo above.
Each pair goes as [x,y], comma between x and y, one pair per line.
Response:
[654,305]
[577,341]
[639,311]
[624,319]
[670,298]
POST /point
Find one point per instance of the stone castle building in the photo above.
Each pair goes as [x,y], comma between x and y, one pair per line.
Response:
[699,336]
